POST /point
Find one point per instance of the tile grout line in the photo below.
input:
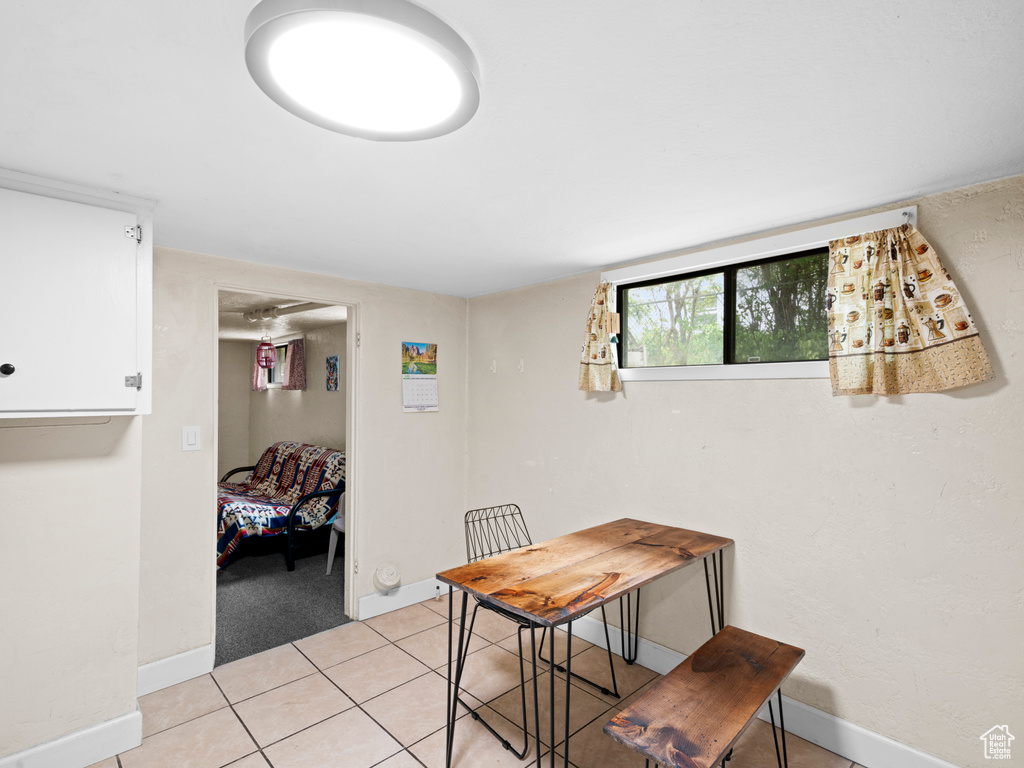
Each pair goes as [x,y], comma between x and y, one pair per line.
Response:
[242,723]
[356,705]
[549,670]
[393,643]
[228,704]
[609,707]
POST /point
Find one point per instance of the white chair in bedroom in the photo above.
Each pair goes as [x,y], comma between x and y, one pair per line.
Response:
[337,528]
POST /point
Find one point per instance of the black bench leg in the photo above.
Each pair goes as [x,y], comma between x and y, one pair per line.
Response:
[782,758]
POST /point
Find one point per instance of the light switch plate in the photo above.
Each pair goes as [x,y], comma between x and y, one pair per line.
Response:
[190,438]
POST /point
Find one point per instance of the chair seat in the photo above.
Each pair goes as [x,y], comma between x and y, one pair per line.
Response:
[504,612]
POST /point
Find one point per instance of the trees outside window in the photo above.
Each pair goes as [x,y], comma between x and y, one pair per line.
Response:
[771,311]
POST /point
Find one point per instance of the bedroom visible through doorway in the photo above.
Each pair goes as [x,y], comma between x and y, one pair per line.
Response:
[259,603]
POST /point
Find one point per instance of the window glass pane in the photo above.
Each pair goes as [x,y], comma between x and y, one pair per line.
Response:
[780,310]
[277,372]
[677,323]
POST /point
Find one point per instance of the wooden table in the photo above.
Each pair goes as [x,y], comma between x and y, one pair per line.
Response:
[557,581]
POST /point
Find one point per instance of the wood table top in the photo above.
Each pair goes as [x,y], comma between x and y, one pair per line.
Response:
[561,579]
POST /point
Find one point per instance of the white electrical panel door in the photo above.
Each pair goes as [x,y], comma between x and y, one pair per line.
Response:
[68,314]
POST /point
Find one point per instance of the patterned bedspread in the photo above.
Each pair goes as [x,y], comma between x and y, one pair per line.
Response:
[260,505]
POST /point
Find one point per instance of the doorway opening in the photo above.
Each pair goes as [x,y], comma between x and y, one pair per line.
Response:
[260,604]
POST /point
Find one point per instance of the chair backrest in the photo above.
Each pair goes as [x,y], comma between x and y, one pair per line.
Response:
[493,530]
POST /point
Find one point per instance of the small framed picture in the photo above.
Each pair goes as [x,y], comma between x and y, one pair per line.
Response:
[332,373]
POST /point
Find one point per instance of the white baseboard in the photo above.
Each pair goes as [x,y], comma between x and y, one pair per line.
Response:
[83,747]
[846,739]
[852,741]
[175,669]
[651,655]
[400,597]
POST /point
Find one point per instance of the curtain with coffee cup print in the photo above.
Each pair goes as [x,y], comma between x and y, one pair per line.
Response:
[599,371]
[896,322]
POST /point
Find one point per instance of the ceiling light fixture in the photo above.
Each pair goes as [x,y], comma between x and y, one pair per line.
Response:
[378,69]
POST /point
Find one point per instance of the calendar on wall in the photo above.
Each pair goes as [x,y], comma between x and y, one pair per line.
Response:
[419,377]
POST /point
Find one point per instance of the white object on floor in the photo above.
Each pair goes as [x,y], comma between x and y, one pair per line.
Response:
[338,526]
[386,577]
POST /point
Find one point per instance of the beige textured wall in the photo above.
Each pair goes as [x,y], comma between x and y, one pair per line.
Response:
[313,415]
[235,360]
[395,451]
[884,536]
[69,566]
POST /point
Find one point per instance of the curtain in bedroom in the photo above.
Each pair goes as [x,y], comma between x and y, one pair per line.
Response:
[259,377]
[896,322]
[295,365]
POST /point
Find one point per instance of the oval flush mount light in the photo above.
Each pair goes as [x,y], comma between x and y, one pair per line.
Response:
[378,69]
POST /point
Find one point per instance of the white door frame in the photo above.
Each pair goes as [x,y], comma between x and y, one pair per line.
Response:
[351,417]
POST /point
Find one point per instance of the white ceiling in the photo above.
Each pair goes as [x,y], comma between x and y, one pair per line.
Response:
[234,326]
[607,131]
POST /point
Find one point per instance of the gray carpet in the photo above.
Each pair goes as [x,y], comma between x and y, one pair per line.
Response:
[260,605]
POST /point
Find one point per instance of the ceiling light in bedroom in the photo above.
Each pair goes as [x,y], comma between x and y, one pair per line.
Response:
[378,69]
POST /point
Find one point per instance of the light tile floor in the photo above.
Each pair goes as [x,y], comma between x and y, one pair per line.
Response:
[371,695]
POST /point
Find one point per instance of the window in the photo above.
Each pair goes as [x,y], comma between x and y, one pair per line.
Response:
[673,322]
[275,375]
[768,311]
[756,333]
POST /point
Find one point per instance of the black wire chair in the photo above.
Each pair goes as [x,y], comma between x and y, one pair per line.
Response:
[492,531]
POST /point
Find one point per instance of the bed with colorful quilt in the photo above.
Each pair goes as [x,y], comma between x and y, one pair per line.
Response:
[293,487]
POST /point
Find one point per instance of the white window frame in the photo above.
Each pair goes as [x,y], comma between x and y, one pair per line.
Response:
[739,253]
[282,342]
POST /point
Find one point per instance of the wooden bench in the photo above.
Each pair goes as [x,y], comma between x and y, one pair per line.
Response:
[693,716]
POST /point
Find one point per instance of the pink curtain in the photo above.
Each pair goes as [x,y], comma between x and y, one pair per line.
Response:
[259,377]
[295,365]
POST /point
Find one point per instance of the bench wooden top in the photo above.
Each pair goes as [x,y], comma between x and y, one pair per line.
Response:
[694,715]
[561,579]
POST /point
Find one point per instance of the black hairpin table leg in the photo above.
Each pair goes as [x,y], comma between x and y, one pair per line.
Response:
[453,685]
[783,758]
[716,604]
[629,626]
[614,690]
